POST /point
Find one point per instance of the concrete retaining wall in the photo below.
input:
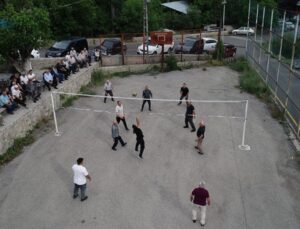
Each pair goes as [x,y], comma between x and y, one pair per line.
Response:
[154,59]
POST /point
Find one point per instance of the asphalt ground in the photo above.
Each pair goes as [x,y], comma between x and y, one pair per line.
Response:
[249,189]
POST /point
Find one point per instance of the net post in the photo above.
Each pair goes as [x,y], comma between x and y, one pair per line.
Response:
[57,133]
[243,146]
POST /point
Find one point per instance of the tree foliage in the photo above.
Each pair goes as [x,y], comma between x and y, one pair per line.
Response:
[26,29]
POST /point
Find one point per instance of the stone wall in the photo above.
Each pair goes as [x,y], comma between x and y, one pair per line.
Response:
[17,125]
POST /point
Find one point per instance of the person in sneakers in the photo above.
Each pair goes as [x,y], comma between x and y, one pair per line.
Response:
[200,136]
[116,136]
[189,115]
[200,199]
[80,179]
[139,137]
[184,93]
[120,114]
[108,90]
[147,95]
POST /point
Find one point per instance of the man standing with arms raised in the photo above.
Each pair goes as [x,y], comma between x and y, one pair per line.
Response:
[80,176]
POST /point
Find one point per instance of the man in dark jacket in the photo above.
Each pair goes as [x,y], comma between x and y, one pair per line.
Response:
[184,93]
[147,95]
[189,115]
[139,138]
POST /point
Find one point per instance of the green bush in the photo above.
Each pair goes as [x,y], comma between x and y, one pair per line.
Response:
[219,52]
[97,78]
[17,148]
[287,45]
[171,63]
[239,65]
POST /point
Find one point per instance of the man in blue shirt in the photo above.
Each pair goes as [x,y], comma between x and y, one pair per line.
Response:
[7,103]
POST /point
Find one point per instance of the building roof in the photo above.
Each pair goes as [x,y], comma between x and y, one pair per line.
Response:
[180,6]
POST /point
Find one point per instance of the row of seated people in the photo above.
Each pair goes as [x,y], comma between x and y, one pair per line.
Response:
[21,86]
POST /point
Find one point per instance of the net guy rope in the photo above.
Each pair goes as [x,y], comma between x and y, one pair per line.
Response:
[241,147]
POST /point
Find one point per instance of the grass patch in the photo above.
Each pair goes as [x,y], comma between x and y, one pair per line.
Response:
[252,83]
[171,63]
[122,74]
[67,100]
[17,147]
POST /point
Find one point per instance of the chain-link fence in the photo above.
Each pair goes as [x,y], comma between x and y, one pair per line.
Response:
[274,51]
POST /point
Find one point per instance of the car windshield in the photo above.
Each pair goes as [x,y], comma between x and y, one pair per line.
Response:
[189,42]
[108,44]
[61,44]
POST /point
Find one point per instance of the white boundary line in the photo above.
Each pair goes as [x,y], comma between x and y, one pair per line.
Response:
[154,113]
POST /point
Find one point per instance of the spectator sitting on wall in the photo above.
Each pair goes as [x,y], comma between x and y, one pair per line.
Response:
[18,96]
[6,102]
[35,85]
[97,54]
[15,79]
[59,76]
[73,52]
[82,60]
[61,68]
[73,63]
[49,80]
[87,56]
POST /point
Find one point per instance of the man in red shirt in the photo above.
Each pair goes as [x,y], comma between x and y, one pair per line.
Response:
[200,198]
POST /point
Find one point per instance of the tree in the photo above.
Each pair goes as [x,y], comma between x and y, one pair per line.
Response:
[26,29]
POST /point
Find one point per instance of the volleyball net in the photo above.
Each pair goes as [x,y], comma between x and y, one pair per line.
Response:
[227,109]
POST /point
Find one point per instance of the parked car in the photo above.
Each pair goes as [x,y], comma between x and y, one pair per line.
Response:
[154,48]
[287,25]
[191,45]
[194,45]
[243,31]
[35,53]
[229,50]
[296,64]
[209,44]
[62,47]
[112,46]
[211,28]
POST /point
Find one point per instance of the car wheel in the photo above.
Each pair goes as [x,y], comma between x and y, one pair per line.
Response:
[154,53]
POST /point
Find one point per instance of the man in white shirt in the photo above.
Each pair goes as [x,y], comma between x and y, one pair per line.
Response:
[79,179]
[120,114]
[108,90]
[17,95]
[49,80]
[33,86]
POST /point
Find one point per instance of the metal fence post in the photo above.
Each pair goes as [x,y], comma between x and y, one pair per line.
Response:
[291,66]
[279,55]
[248,24]
[262,33]
[255,32]
[269,46]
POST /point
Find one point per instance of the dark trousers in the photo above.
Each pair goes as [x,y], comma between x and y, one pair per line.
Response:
[123,120]
[53,84]
[82,190]
[10,107]
[181,97]
[21,101]
[189,120]
[149,104]
[142,146]
[116,140]
[109,92]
